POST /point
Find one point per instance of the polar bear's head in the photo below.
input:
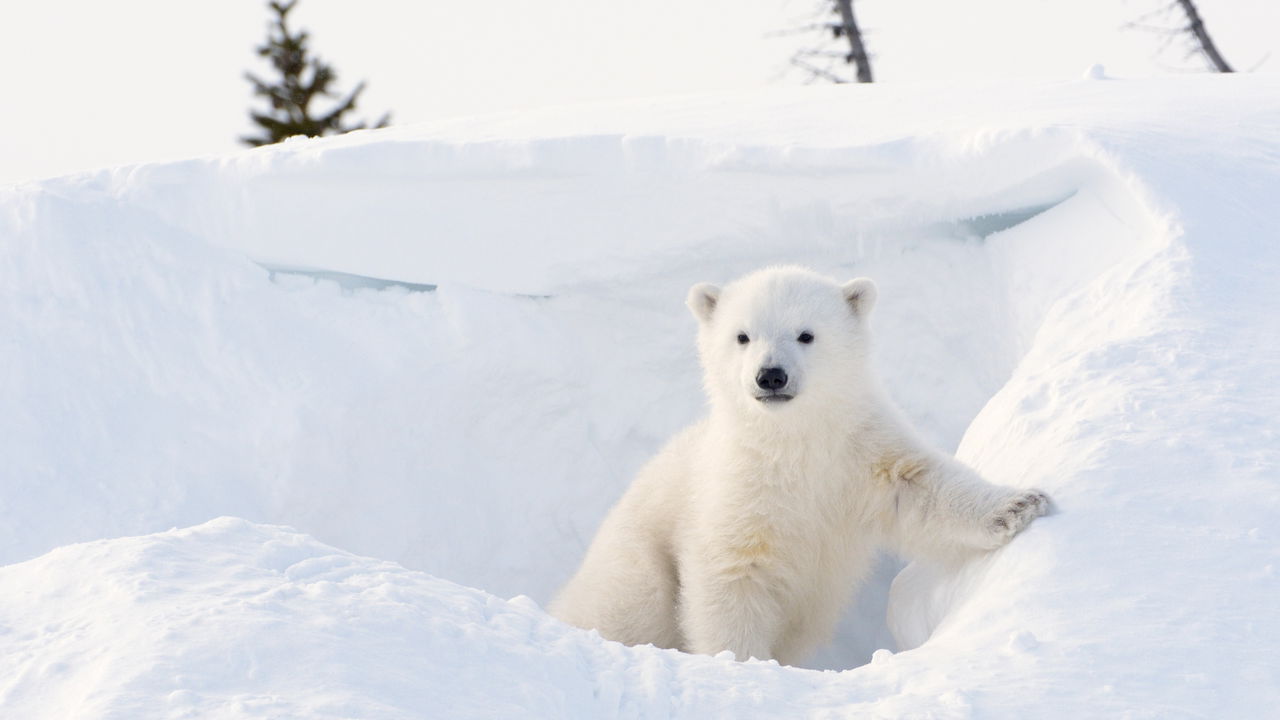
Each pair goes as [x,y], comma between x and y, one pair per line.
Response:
[781,339]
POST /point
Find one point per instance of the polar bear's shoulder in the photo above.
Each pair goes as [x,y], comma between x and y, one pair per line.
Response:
[666,479]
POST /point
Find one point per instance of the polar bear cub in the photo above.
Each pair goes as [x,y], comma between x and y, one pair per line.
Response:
[751,529]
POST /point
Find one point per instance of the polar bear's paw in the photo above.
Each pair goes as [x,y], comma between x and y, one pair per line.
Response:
[1013,514]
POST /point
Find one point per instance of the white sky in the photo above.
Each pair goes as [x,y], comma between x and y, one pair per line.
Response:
[91,83]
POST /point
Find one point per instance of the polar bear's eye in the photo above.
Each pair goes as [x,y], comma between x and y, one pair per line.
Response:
[805,337]
[743,339]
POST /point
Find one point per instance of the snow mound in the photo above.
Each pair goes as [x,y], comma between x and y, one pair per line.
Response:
[230,619]
[451,346]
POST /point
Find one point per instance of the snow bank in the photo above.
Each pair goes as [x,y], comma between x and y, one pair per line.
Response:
[1075,292]
[230,620]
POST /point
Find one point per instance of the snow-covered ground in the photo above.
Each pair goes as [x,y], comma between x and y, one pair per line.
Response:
[1078,292]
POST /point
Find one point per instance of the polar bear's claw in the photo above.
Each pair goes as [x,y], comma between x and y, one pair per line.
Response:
[1015,513]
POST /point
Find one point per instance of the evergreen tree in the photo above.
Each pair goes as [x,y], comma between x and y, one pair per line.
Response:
[292,94]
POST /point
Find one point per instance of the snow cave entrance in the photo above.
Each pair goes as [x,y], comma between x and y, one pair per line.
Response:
[967,277]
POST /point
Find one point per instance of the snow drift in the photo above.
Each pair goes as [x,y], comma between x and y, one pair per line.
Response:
[450,346]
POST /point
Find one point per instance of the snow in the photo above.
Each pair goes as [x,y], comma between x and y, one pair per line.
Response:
[446,348]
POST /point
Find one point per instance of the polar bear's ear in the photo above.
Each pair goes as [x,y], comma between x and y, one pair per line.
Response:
[860,293]
[702,300]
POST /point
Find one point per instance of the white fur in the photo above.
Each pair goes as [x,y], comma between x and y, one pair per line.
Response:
[750,530]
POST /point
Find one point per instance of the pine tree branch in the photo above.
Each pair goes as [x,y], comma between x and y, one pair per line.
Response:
[332,119]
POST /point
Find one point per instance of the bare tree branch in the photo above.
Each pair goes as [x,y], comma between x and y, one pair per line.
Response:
[799,30]
[1198,30]
[834,33]
[857,51]
[815,71]
[1193,31]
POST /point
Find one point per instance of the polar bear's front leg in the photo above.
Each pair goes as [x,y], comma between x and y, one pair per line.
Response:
[941,506]
[725,610]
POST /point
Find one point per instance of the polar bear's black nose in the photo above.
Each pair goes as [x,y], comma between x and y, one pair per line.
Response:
[773,378]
